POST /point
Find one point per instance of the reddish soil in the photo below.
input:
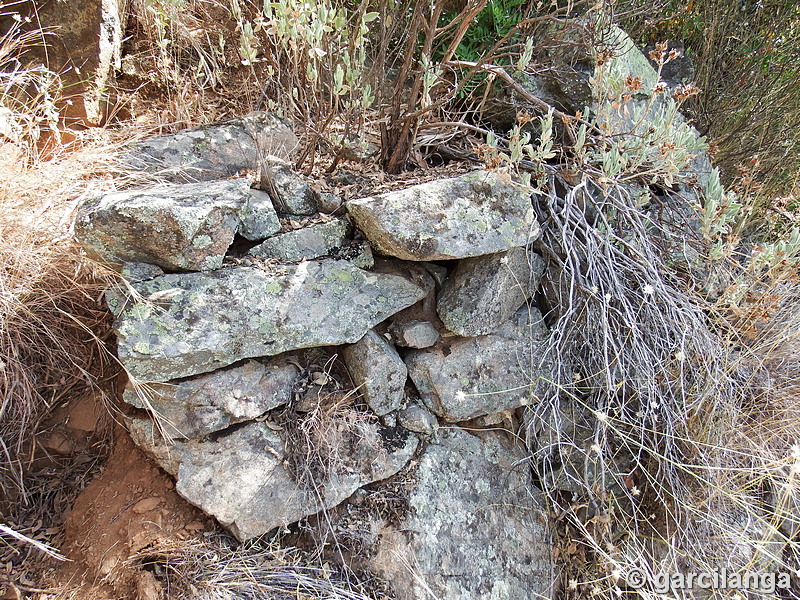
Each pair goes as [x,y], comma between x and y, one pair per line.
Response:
[128,507]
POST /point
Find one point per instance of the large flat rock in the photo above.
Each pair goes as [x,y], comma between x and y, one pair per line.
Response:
[176,226]
[184,324]
[463,216]
[199,406]
[242,479]
[214,151]
[475,526]
[465,378]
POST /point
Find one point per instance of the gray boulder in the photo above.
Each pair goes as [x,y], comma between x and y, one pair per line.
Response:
[181,325]
[466,378]
[307,243]
[243,481]
[176,226]
[469,215]
[563,76]
[483,292]
[475,528]
[214,151]
[378,371]
[207,403]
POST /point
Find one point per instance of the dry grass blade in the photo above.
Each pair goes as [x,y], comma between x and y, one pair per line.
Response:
[51,326]
[36,544]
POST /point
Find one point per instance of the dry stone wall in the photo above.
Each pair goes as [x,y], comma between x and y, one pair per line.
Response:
[424,295]
[292,355]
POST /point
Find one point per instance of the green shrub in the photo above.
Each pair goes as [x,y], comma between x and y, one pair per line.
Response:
[747,64]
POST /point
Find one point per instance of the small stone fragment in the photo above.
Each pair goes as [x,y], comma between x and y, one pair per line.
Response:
[418,419]
[135,272]
[360,254]
[146,505]
[257,217]
[415,334]
[291,193]
[438,272]
[307,243]
[329,203]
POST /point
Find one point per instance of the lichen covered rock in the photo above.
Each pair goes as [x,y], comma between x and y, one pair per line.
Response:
[483,292]
[418,419]
[475,528]
[466,378]
[213,401]
[415,334]
[463,216]
[214,151]
[192,323]
[293,195]
[307,243]
[377,371]
[176,226]
[243,481]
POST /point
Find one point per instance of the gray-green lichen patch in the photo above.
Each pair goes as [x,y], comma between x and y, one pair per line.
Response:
[307,243]
[242,481]
[475,526]
[193,323]
[175,226]
[213,401]
[483,292]
[214,151]
[469,215]
[467,378]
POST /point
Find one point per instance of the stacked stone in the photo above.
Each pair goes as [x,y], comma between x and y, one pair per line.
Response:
[435,329]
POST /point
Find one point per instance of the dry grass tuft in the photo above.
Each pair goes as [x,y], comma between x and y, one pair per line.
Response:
[325,428]
[53,328]
[667,440]
[221,569]
[54,325]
